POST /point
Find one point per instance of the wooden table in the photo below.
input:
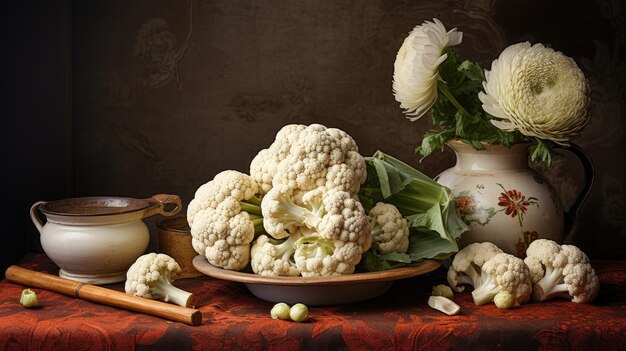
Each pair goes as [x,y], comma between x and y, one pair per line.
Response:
[235,319]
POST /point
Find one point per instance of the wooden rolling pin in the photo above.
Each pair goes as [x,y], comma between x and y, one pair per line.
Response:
[102,295]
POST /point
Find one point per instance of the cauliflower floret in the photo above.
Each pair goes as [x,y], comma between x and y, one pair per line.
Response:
[225,184]
[263,166]
[560,271]
[306,157]
[274,258]
[442,290]
[390,231]
[316,256]
[282,216]
[503,272]
[227,256]
[343,217]
[151,277]
[331,225]
[341,238]
[224,216]
[466,265]
[543,250]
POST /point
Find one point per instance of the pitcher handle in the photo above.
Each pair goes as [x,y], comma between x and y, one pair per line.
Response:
[160,201]
[588,179]
[35,217]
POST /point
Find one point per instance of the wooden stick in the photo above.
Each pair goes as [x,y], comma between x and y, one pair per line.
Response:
[102,295]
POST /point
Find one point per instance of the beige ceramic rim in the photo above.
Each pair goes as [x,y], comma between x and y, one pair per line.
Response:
[419,268]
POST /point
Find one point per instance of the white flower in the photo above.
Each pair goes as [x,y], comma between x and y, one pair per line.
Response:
[538,91]
[416,69]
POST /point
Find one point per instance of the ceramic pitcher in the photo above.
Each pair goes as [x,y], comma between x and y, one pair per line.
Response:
[504,201]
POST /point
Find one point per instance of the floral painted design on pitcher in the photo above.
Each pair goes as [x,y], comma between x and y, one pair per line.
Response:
[515,204]
[470,212]
[503,200]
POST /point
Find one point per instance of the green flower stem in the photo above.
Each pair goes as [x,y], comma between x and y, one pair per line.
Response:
[254,200]
[257,221]
[251,208]
[443,89]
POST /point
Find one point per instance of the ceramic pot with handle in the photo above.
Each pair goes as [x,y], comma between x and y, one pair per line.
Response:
[504,201]
[96,239]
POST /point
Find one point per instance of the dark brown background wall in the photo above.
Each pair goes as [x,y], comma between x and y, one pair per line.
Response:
[164,94]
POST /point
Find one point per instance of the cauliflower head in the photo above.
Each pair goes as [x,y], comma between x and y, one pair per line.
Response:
[466,267]
[503,272]
[390,231]
[224,216]
[306,157]
[561,271]
[151,277]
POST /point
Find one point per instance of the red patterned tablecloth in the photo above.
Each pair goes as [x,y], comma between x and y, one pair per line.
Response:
[234,319]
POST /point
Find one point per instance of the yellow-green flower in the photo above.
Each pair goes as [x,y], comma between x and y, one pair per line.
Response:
[416,69]
[538,91]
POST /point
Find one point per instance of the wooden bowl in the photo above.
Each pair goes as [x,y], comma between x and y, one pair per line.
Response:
[174,240]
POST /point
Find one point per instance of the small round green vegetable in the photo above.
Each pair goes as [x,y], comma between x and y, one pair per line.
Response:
[28,298]
[442,290]
[299,312]
[280,311]
[504,300]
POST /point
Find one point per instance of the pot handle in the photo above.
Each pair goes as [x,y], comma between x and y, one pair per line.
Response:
[160,201]
[35,217]
[588,178]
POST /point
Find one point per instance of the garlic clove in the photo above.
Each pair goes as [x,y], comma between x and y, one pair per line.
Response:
[444,304]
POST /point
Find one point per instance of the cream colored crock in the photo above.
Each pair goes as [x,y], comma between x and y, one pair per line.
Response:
[96,239]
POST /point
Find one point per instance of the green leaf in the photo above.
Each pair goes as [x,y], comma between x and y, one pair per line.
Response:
[372,261]
[396,257]
[472,70]
[477,145]
[427,205]
[434,140]
[428,245]
[540,151]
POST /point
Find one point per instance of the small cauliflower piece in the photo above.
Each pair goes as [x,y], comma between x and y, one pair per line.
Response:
[504,300]
[299,312]
[467,264]
[390,231]
[442,290]
[561,271]
[151,277]
[28,298]
[280,311]
[224,216]
[503,272]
